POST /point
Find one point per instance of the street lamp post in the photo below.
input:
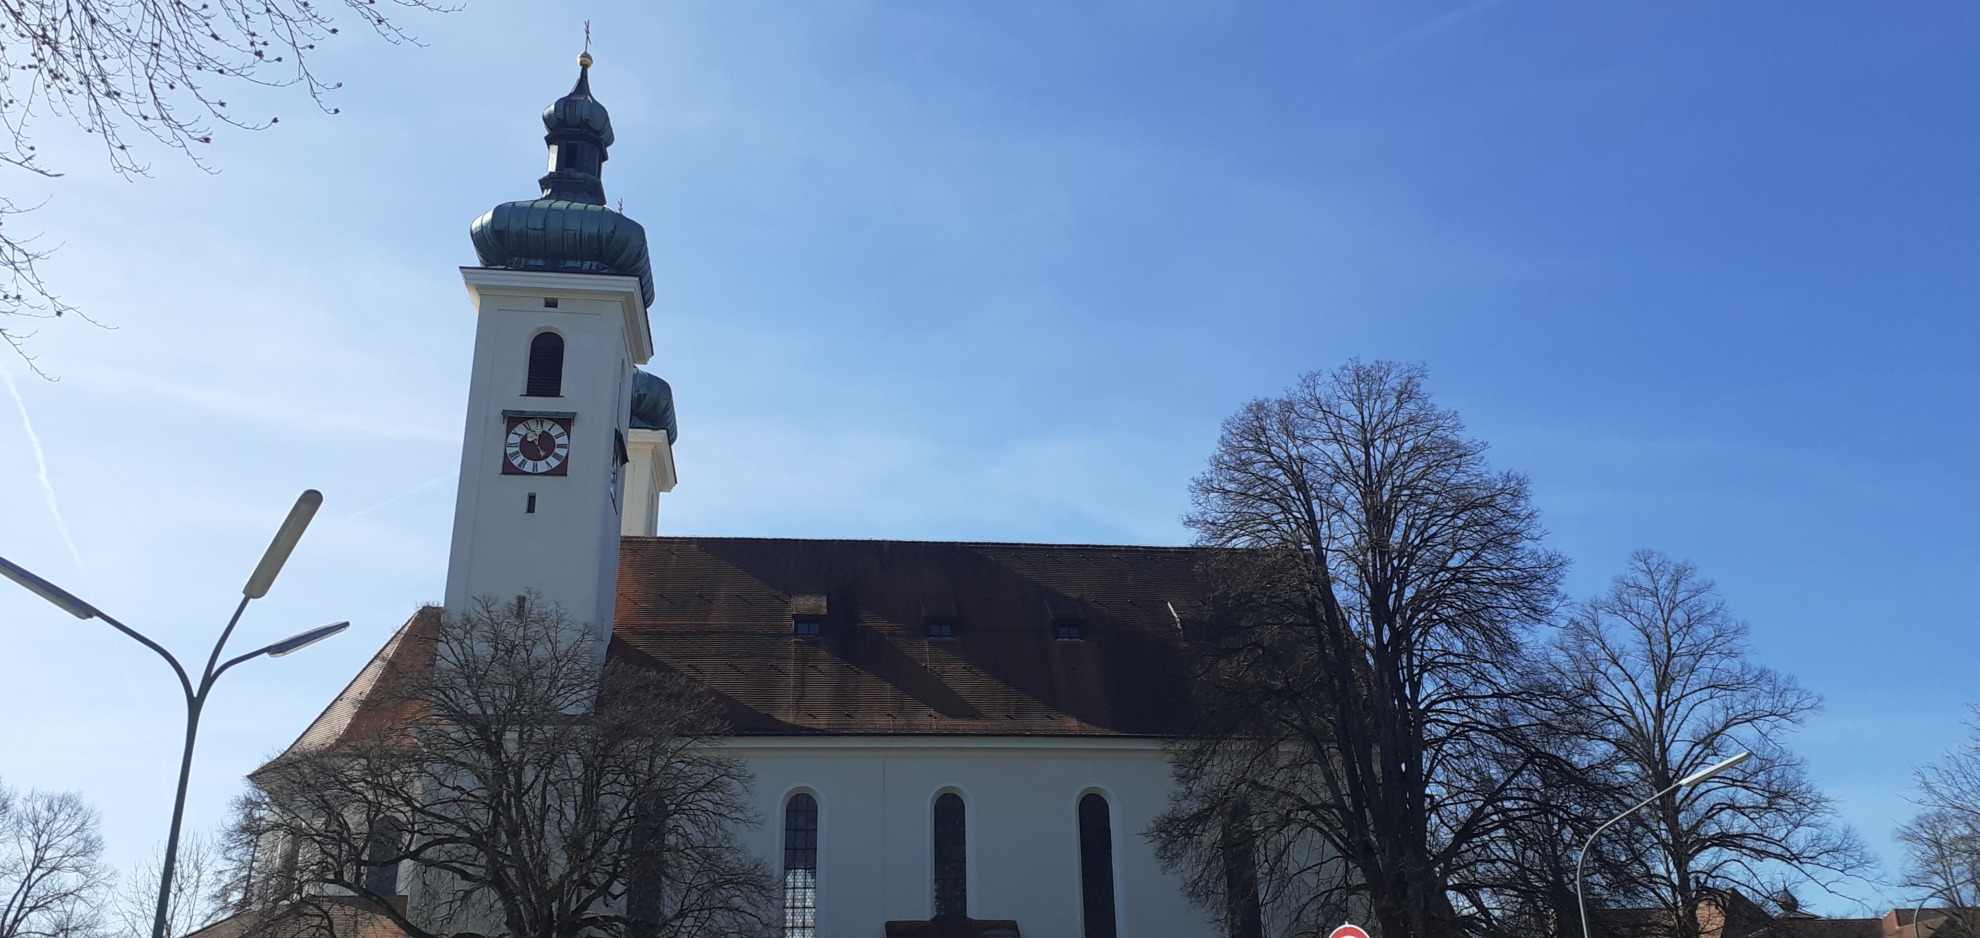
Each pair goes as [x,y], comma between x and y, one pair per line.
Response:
[257,587]
[1950,893]
[1687,781]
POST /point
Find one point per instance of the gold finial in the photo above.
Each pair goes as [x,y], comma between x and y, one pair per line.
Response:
[584,60]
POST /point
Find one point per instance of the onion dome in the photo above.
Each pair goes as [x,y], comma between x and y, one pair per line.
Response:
[653,405]
[568,229]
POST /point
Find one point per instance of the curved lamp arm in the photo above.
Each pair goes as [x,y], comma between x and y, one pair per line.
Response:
[67,602]
[1692,779]
[1941,892]
[293,643]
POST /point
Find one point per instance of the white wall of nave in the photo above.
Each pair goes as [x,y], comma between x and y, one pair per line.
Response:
[875,828]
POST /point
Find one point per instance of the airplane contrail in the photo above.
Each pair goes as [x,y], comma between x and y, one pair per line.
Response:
[1439,24]
[41,463]
[423,486]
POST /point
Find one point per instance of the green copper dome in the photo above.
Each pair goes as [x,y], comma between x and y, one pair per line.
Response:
[568,229]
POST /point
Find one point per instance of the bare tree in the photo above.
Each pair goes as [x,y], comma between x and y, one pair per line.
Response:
[1520,883]
[199,895]
[125,71]
[1944,839]
[1359,704]
[51,865]
[1662,673]
[528,792]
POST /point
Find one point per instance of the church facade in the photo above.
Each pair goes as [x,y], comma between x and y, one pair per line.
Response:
[946,738]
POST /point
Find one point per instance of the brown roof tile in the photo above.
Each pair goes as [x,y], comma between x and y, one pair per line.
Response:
[720,610]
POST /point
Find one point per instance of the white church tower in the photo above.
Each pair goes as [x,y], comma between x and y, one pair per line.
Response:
[567,444]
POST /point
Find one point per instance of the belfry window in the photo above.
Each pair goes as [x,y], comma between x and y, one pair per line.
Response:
[951,857]
[801,866]
[546,366]
[1096,866]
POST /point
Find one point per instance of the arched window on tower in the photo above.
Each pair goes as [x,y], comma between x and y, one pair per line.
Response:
[1096,866]
[951,857]
[801,866]
[546,366]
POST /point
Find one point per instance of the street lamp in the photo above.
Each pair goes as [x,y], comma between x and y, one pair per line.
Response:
[257,587]
[1950,893]
[1685,782]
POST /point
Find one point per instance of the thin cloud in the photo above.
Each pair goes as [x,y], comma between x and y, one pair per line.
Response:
[423,486]
[41,464]
[1437,25]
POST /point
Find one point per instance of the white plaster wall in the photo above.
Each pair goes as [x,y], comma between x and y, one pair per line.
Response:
[567,550]
[876,799]
[648,475]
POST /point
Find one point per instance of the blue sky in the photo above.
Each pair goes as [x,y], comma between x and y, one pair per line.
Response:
[1705,272]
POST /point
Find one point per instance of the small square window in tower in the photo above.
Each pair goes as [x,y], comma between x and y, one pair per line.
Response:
[940,628]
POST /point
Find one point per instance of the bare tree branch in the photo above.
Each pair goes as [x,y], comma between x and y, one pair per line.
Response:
[1661,672]
[528,793]
[51,870]
[144,71]
[1373,609]
[1943,840]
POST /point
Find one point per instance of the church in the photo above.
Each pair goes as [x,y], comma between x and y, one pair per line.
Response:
[946,738]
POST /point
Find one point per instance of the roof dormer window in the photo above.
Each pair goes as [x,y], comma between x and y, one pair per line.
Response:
[807,615]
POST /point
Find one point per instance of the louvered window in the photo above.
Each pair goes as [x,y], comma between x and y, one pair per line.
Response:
[1096,866]
[546,366]
[951,857]
[801,867]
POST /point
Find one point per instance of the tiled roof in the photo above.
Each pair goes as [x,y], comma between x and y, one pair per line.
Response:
[317,917]
[360,708]
[720,610]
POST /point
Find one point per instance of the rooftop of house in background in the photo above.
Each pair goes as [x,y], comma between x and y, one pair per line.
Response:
[1735,916]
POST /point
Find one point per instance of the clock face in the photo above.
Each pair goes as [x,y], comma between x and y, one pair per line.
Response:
[537,446]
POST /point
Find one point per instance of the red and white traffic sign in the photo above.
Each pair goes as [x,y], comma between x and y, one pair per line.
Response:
[1348,931]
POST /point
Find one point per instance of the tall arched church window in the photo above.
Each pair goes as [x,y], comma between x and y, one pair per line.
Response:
[646,870]
[801,866]
[546,366]
[951,857]
[1243,917]
[1096,866]
[381,854]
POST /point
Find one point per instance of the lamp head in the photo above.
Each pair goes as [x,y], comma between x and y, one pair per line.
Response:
[1713,769]
[311,637]
[61,598]
[284,542]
